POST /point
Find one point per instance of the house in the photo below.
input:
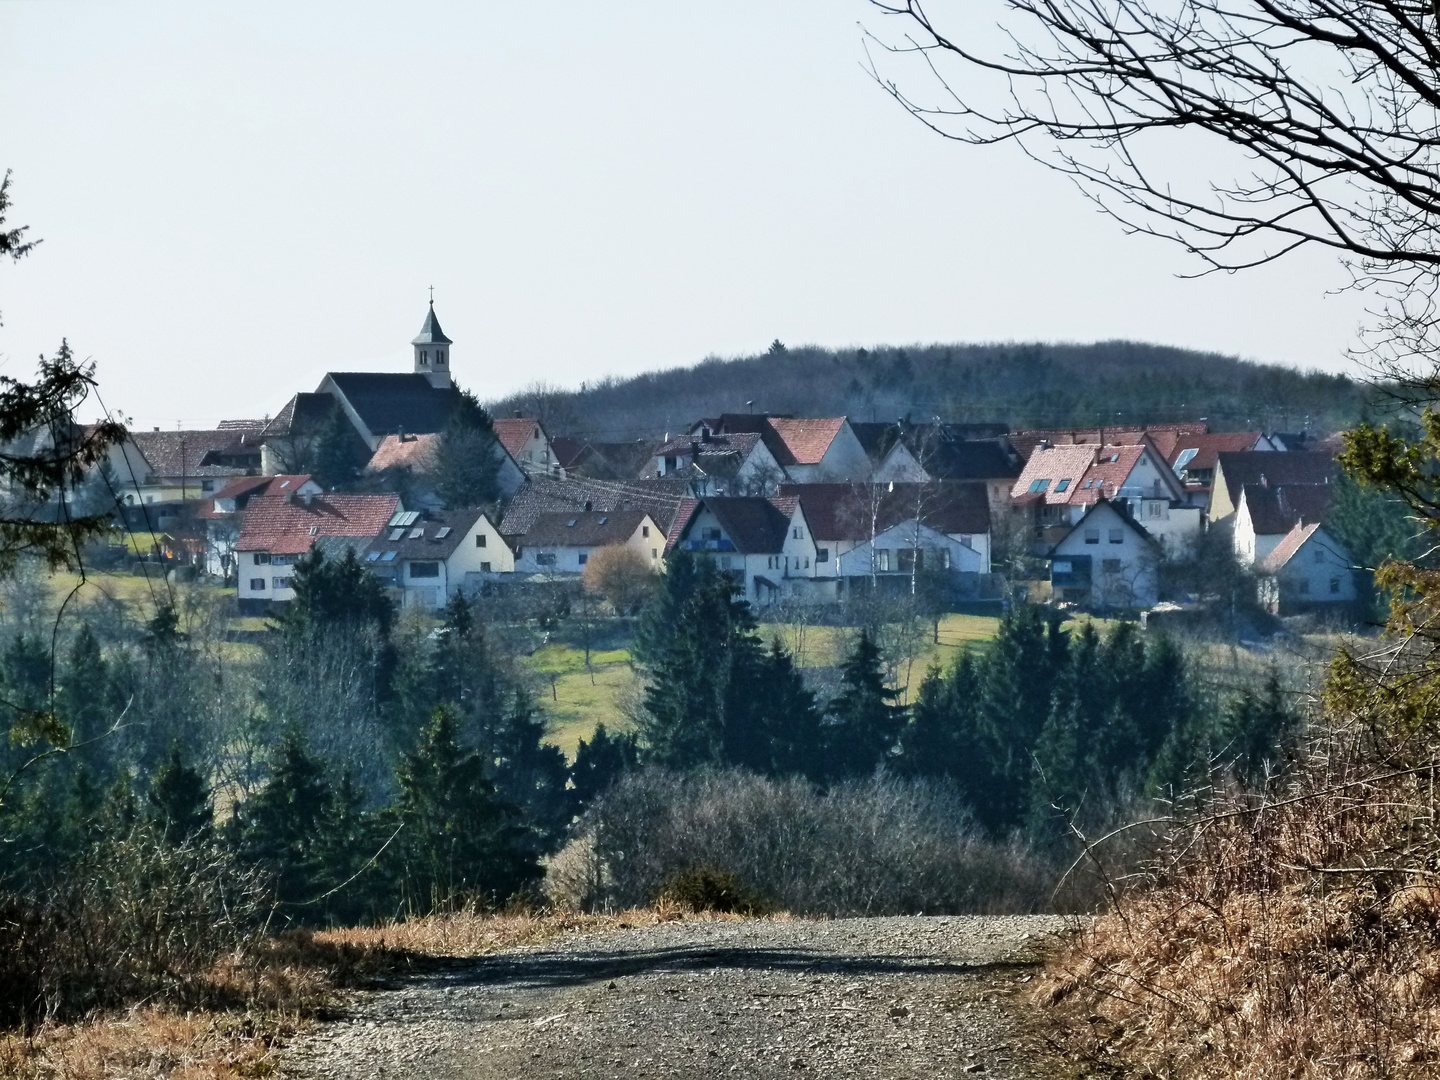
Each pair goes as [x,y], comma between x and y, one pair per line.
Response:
[924,452]
[278,529]
[1107,560]
[796,450]
[739,463]
[603,460]
[406,464]
[1273,469]
[429,556]
[765,545]
[562,543]
[1309,570]
[659,497]
[1060,484]
[1267,514]
[222,515]
[1164,437]
[528,446]
[1194,458]
[152,467]
[844,517]
[290,442]
[891,560]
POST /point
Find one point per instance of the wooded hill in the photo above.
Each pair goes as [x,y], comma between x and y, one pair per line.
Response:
[1023,385]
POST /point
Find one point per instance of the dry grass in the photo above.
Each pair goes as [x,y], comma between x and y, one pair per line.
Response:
[259,1003]
[1263,954]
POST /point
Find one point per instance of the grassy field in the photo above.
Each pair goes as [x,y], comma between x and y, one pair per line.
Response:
[574,698]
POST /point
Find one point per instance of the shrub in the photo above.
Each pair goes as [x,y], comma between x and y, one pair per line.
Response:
[866,847]
[703,888]
[621,575]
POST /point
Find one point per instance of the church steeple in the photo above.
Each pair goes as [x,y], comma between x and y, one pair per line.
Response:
[432,351]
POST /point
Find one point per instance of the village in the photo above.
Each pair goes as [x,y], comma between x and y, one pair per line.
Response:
[808,511]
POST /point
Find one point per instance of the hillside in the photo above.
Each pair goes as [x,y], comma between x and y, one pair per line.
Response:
[1024,385]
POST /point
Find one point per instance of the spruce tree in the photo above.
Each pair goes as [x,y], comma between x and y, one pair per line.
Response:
[864,721]
[459,841]
[468,456]
[1253,729]
[788,736]
[944,737]
[280,825]
[179,800]
[600,762]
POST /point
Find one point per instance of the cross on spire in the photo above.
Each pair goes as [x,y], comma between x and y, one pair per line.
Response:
[432,295]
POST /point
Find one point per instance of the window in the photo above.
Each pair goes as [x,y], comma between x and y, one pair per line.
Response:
[1060,566]
[440,356]
[1038,487]
[584,556]
[1092,536]
[807,562]
[280,583]
[1334,585]
[1117,536]
[484,567]
[257,584]
[262,558]
[712,534]
[374,556]
[822,555]
[479,539]
[911,559]
[669,464]
[389,556]
[417,534]
[884,555]
[207,486]
[1110,566]
[397,534]
[444,532]
[314,530]
[1063,485]
[797,532]
[545,558]
[644,530]
[1319,555]
[1304,585]
[654,553]
[424,569]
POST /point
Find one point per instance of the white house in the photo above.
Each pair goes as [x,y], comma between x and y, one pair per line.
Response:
[1308,570]
[1266,515]
[278,529]
[528,445]
[764,544]
[561,543]
[1107,561]
[222,515]
[428,557]
[895,557]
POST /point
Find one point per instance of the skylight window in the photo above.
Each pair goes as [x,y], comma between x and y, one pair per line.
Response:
[603,520]
[396,519]
[416,534]
[285,484]
[1186,456]
[443,532]
[1063,485]
[314,529]
[374,556]
[571,523]
[389,556]
[1037,487]
[396,534]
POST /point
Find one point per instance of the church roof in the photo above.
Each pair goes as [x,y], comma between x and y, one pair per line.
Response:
[430,333]
[388,402]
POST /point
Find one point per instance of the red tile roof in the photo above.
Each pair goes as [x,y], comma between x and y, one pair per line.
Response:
[1208,446]
[1288,547]
[243,487]
[514,432]
[802,442]
[1087,473]
[403,451]
[1164,436]
[284,526]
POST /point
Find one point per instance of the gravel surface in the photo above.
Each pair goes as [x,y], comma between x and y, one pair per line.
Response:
[872,998]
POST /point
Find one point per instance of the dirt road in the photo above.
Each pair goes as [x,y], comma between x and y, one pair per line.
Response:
[863,998]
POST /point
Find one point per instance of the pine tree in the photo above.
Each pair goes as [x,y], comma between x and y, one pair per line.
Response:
[1253,728]
[468,456]
[788,736]
[336,452]
[179,800]
[460,841]
[865,723]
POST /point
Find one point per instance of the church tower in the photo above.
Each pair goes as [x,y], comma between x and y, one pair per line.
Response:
[432,352]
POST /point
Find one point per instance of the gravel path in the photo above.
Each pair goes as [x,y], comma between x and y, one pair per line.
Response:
[863,998]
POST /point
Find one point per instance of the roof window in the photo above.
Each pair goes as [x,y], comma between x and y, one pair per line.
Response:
[571,523]
[314,530]
[442,532]
[396,534]
[1063,485]
[1037,487]
[389,556]
[416,534]
[1114,458]
[603,520]
[374,556]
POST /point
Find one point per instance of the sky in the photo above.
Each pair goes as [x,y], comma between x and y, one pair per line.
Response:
[236,198]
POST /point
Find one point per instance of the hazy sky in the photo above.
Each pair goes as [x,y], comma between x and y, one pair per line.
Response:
[237,198]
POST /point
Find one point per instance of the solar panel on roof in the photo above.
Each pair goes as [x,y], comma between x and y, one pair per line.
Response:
[395,520]
[411,516]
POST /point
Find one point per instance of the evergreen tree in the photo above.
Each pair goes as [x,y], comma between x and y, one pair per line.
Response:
[699,652]
[336,452]
[468,456]
[459,840]
[865,723]
[335,595]
[280,825]
[788,738]
[944,736]
[600,762]
[179,800]
[86,702]
[1252,731]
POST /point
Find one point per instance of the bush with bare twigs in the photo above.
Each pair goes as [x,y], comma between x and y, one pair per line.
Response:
[621,575]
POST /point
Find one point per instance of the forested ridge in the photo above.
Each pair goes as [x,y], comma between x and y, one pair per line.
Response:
[1023,385]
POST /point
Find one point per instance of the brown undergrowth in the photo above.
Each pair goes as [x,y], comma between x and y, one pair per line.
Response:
[245,1010]
[1292,936]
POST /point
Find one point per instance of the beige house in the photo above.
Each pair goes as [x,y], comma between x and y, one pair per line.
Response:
[427,557]
[561,543]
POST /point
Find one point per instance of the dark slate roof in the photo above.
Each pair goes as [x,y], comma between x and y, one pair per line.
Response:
[1273,468]
[173,453]
[843,511]
[303,414]
[430,333]
[755,525]
[593,529]
[388,402]
[429,544]
[970,459]
[877,439]
[1279,509]
[660,497]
